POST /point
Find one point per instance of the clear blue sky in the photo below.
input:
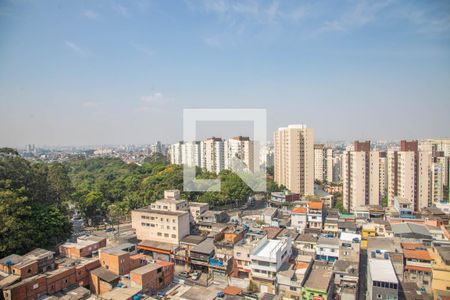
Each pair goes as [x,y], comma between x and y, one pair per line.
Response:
[93,72]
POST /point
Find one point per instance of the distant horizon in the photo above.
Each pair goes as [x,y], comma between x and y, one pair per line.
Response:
[44,146]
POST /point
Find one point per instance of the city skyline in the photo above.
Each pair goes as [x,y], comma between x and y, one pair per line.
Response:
[85,73]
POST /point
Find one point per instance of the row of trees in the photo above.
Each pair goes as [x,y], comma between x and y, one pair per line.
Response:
[102,182]
[38,199]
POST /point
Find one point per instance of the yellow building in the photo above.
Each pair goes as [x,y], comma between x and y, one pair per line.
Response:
[441,269]
[368,230]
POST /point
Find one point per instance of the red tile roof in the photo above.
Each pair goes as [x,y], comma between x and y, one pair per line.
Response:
[315,205]
[299,210]
[417,254]
[232,290]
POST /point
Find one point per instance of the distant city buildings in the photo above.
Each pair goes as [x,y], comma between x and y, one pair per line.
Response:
[215,154]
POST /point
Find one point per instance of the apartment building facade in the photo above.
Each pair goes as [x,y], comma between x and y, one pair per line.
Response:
[323,163]
[361,176]
[294,158]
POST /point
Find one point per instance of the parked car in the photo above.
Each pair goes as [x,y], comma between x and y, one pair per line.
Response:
[110,229]
[196,275]
[184,274]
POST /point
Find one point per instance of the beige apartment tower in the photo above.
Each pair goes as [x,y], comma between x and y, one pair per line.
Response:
[361,176]
[294,158]
[409,174]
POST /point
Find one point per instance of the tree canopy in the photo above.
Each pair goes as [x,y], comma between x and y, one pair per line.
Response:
[32,204]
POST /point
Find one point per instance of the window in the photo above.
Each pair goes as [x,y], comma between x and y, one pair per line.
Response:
[174,236]
[29,271]
[293,288]
[166,235]
[159,234]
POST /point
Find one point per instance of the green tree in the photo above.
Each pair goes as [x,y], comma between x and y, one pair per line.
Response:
[31,212]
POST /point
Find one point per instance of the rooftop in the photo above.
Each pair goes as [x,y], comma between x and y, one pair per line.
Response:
[444,252]
[105,274]
[328,241]
[161,212]
[121,293]
[299,210]
[410,228]
[382,270]
[158,245]
[308,237]
[205,247]
[319,279]
[147,268]
[315,205]
[268,248]
[192,239]
[417,254]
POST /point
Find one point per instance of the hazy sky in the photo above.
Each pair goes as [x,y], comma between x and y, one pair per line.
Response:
[93,72]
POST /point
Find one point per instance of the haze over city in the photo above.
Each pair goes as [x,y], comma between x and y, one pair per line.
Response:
[116,72]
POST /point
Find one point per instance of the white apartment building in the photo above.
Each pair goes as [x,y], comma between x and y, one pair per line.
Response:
[166,220]
[186,153]
[299,218]
[361,176]
[241,148]
[294,158]
[323,163]
[212,155]
[266,260]
[266,156]
[175,153]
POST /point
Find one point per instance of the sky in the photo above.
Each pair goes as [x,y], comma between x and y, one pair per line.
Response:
[121,72]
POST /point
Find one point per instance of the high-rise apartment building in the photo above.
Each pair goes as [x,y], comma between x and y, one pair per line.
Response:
[337,167]
[212,154]
[186,153]
[383,174]
[436,145]
[361,176]
[294,158]
[242,148]
[175,155]
[323,163]
[409,173]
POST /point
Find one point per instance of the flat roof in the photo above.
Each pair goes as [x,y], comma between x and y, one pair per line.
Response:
[147,268]
[121,293]
[192,239]
[319,279]
[161,212]
[105,274]
[382,270]
[328,241]
[199,293]
[158,245]
[205,247]
[268,248]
